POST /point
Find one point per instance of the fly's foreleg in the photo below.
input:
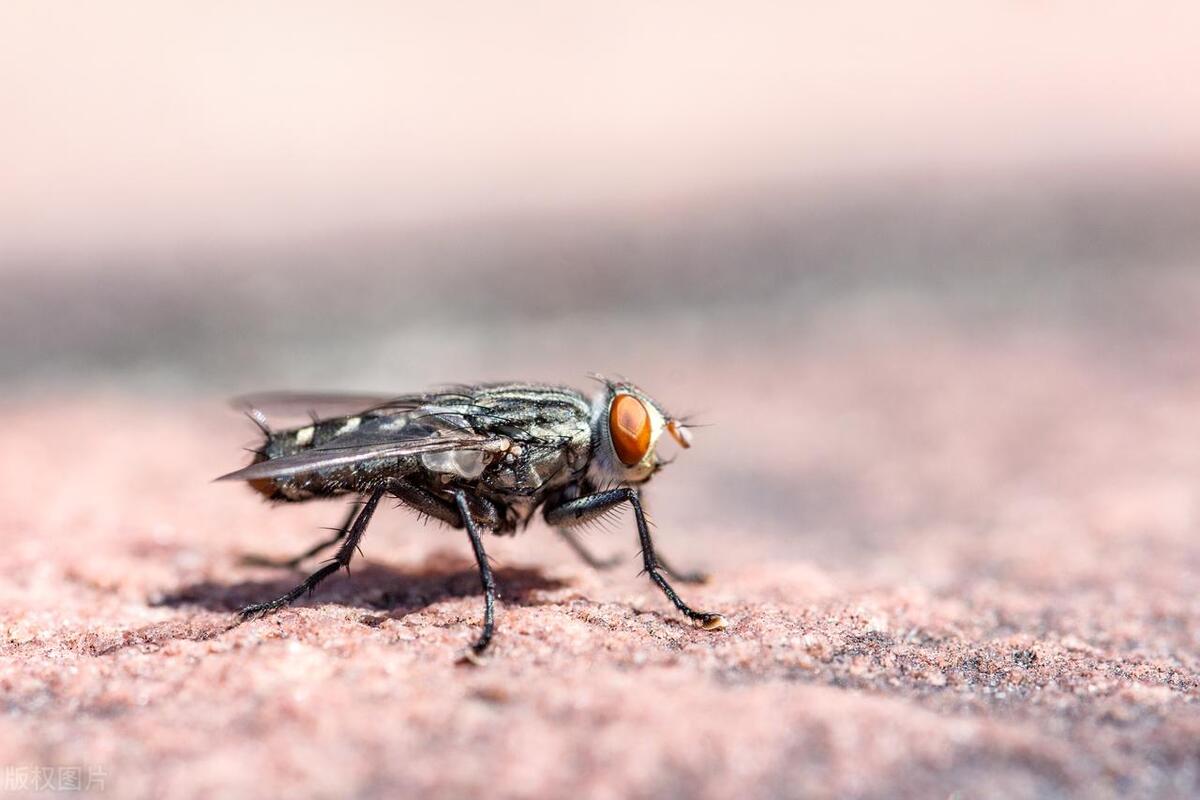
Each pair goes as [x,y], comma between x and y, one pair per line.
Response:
[683,576]
[292,563]
[603,564]
[344,555]
[591,559]
[580,510]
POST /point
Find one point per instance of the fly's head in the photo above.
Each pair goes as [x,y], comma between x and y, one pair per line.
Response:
[627,426]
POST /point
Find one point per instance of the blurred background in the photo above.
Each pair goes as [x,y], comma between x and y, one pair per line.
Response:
[214,198]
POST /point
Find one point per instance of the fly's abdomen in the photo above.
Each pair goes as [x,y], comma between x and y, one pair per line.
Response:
[320,482]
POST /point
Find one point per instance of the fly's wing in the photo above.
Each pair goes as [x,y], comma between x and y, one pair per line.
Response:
[404,426]
[319,405]
[333,456]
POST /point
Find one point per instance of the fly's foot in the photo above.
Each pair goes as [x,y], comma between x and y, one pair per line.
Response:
[473,657]
[259,610]
[710,622]
[271,606]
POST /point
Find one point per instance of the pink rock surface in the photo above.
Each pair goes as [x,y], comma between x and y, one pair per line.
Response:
[970,571]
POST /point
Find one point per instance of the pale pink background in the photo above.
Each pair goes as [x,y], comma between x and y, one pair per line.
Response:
[137,123]
[930,270]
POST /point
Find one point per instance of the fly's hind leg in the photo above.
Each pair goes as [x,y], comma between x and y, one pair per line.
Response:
[292,563]
[344,555]
[580,510]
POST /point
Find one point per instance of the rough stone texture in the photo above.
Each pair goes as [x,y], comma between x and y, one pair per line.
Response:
[951,568]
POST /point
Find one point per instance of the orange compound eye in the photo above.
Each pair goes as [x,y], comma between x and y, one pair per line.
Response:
[629,426]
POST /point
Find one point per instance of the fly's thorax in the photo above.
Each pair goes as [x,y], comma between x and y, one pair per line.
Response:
[626,428]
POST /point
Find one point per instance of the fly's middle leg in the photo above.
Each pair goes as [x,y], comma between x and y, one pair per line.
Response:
[475,653]
[440,508]
[472,513]
[580,510]
[344,555]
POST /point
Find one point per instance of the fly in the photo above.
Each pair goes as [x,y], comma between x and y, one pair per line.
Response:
[481,457]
